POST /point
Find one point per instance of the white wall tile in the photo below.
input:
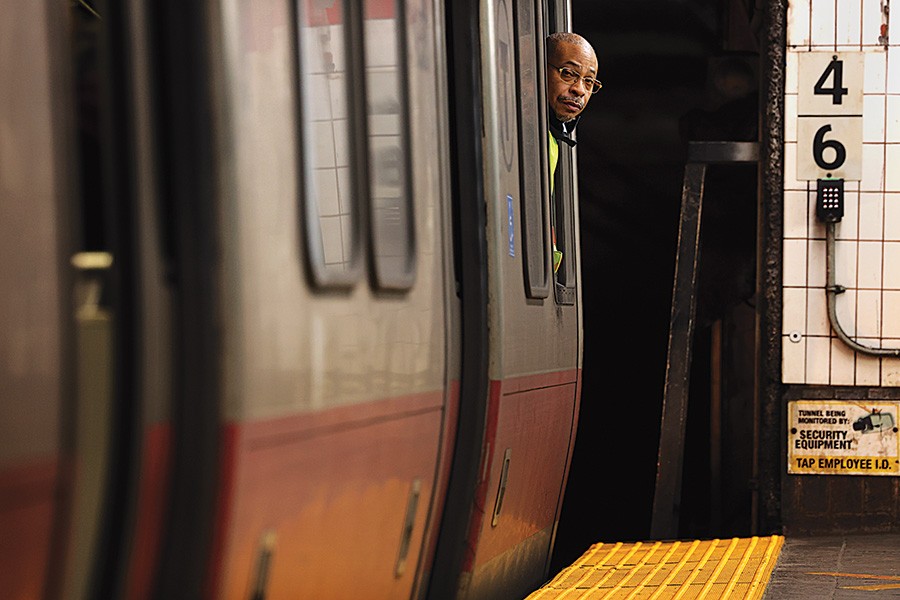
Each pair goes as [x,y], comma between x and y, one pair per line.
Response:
[798,22]
[892,178]
[891,318]
[790,168]
[796,215]
[817,227]
[342,142]
[823,19]
[872,168]
[845,311]
[891,278]
[871,25]
[845,263]
[893,72]
[848,227]
[873,118]
[325,193]
[892,133]
[346,236]
[345,189]
[791,73]
[817,313]
[793,361]
[790,117]
[337,83]
[876,67]
[892,217]
[890,369]
[843,363]
[868,314]
[815,272]
[869,276]
[794,273]
[323,137]
[868,370]
[849,18]
[871,216]
[793,314]
[818,360]
[331,239]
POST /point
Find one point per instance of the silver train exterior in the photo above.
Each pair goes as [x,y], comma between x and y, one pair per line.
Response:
[278,309]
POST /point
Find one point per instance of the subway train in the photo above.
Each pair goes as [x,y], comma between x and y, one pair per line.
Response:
[280,318]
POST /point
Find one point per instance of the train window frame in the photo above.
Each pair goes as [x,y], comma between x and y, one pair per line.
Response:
[387,273]
[534,189]
[322,275]
[562,204]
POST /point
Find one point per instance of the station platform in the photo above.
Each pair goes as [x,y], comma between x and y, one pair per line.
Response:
[754,568]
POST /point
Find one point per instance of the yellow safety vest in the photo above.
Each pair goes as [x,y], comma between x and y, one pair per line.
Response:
[554,160]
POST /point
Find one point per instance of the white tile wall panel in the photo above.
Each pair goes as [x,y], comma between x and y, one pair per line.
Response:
[793,361]
[845,263]
[843,365]
[796,215]
[790,118]
[890,372]
[815,267]
[872,168]
[892,218]
[848,227]
[869,274]
[892,158]
[868,368]
[798,20]
[326,191]
[794,272]
[818,360]
[848,24]
[868,315]
[341,147]
[892,122]
[822,23]
[876,71]
[791,73]
[794,310]
[817,313]
[892,62]
[790,168]
[891,277]
[871,216]
[867,252]
[873,118]
[891,318]
[845,306]
[871,22]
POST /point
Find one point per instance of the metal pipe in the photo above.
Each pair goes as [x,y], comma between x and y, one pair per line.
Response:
[832,290]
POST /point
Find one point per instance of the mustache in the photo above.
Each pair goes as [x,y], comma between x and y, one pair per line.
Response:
[578,101]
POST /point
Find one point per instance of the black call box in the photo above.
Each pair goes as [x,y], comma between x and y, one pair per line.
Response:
[829,200]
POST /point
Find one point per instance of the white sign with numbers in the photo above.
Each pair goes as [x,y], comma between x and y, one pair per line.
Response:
[829,115]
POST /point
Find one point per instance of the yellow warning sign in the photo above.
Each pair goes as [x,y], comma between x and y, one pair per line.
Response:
[837,437]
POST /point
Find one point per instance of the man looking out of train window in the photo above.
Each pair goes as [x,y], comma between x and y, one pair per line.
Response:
[571,81]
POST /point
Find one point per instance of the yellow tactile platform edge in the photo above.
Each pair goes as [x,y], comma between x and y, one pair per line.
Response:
[729,568]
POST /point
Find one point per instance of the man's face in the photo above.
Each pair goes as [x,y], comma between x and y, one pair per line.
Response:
[567,100]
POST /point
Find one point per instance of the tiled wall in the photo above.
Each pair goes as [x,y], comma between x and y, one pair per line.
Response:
[867,251]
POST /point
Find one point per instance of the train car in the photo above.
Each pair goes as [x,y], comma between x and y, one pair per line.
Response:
[282,319]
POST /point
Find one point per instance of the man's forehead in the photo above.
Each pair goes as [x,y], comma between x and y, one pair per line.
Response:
[575,55]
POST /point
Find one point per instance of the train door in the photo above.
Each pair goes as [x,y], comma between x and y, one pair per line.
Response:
[532,358]
[306,136]
[35,441]
[84,464]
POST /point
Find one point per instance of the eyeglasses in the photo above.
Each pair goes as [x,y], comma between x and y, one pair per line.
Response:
[591,85]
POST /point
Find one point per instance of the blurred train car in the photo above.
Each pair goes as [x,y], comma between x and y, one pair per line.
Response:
[279,314]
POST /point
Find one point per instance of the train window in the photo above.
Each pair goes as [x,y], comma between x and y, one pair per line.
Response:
[391,211]
[331,187]
[532,152]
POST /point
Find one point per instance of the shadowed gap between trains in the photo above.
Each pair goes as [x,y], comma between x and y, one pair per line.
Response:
[673,73]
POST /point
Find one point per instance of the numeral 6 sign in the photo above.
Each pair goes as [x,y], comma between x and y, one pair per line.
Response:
[829,115]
